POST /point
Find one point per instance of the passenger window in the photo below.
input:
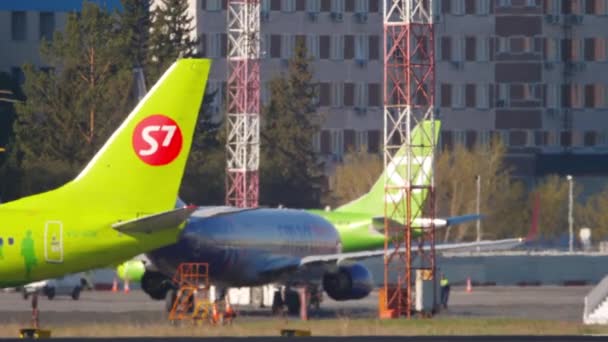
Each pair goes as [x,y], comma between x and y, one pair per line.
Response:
[10,240]
[1,242]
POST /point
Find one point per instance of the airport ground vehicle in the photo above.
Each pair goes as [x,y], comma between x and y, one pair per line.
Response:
[69,285]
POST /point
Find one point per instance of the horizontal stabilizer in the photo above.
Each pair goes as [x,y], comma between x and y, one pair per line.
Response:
[462,219]
[156,222]
[422,222]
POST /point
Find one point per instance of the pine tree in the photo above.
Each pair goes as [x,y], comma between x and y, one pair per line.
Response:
[73,107]
[171,36]
[290,174]
[135,23]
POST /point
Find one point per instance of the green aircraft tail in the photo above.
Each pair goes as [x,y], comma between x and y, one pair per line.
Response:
[373,202]
[139,169]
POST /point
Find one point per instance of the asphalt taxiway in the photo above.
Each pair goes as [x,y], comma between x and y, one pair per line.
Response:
[543,302]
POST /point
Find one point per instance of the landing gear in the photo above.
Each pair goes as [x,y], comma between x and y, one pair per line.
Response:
[292,300]
[35,331]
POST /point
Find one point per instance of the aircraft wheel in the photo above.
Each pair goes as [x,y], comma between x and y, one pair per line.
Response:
[50,293]
[170,299]
[76,293]
[292,300]
[25,294]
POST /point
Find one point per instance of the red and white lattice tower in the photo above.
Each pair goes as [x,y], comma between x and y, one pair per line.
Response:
[243,98]
[409,95]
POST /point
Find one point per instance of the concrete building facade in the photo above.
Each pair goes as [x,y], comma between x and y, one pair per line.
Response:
[527,71]
[25,23]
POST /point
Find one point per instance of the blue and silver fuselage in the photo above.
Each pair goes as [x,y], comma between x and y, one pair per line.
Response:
[249,247]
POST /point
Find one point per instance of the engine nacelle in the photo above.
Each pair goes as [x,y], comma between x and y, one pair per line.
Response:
[349,282]
[156,284]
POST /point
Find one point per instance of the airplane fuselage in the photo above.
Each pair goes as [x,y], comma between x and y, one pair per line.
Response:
[42,244]
[250,247]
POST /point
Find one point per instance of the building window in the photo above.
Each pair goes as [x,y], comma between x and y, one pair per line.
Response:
[337,6]
[553,47]
[374,47]
[446,48]
[470,49]
[214,5]
[482,49]
[349,46]
[469,7]
[360,140]
[337,47]
[337,94]
[349,6]
[361,95]
[361,47]
[326,5]
[504,95]
[469,95]
[483,7]
[288,45]
[337,143]
[313,6]
[289,5]
[446,95]
[324,47]
[275,46]
[324,94]
[458,7]
[275,5]
[18,25]
[47,25]
[313,46]
[457,96]
[349,94]
[362,6]
[374,95]
[483,96]
[316,142]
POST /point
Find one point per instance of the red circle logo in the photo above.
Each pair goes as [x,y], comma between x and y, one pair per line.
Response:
[157,140]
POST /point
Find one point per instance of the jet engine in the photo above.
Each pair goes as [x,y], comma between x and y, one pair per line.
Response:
[349,282]
[156,284]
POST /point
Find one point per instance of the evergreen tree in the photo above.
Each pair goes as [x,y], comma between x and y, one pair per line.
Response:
[73,108]
[135,23]
[203,181]
[171,36]
[290,174]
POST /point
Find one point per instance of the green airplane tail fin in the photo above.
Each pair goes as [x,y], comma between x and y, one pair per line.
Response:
[373,202]
[142,164]
[139,169]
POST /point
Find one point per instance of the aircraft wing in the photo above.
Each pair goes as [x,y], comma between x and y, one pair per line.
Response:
[445,247]
[156,222]
[424,222]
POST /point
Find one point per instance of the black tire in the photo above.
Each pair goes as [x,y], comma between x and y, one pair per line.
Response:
[50,293]
[277,302]
[76,293]
[292,300]
[170,299]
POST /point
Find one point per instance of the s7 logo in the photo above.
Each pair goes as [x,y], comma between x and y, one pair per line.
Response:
[157,140]
[153,144]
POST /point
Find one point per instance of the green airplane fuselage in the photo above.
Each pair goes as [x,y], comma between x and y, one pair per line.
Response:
[355,230]
[42,244]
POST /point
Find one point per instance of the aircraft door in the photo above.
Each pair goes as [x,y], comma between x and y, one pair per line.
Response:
[53,242]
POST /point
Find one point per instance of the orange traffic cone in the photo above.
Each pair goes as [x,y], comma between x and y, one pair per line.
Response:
[229,313]
[215,314]
[115,285]
[127,289]
[469,287]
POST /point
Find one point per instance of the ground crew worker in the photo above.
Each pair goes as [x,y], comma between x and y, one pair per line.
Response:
[445,290]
